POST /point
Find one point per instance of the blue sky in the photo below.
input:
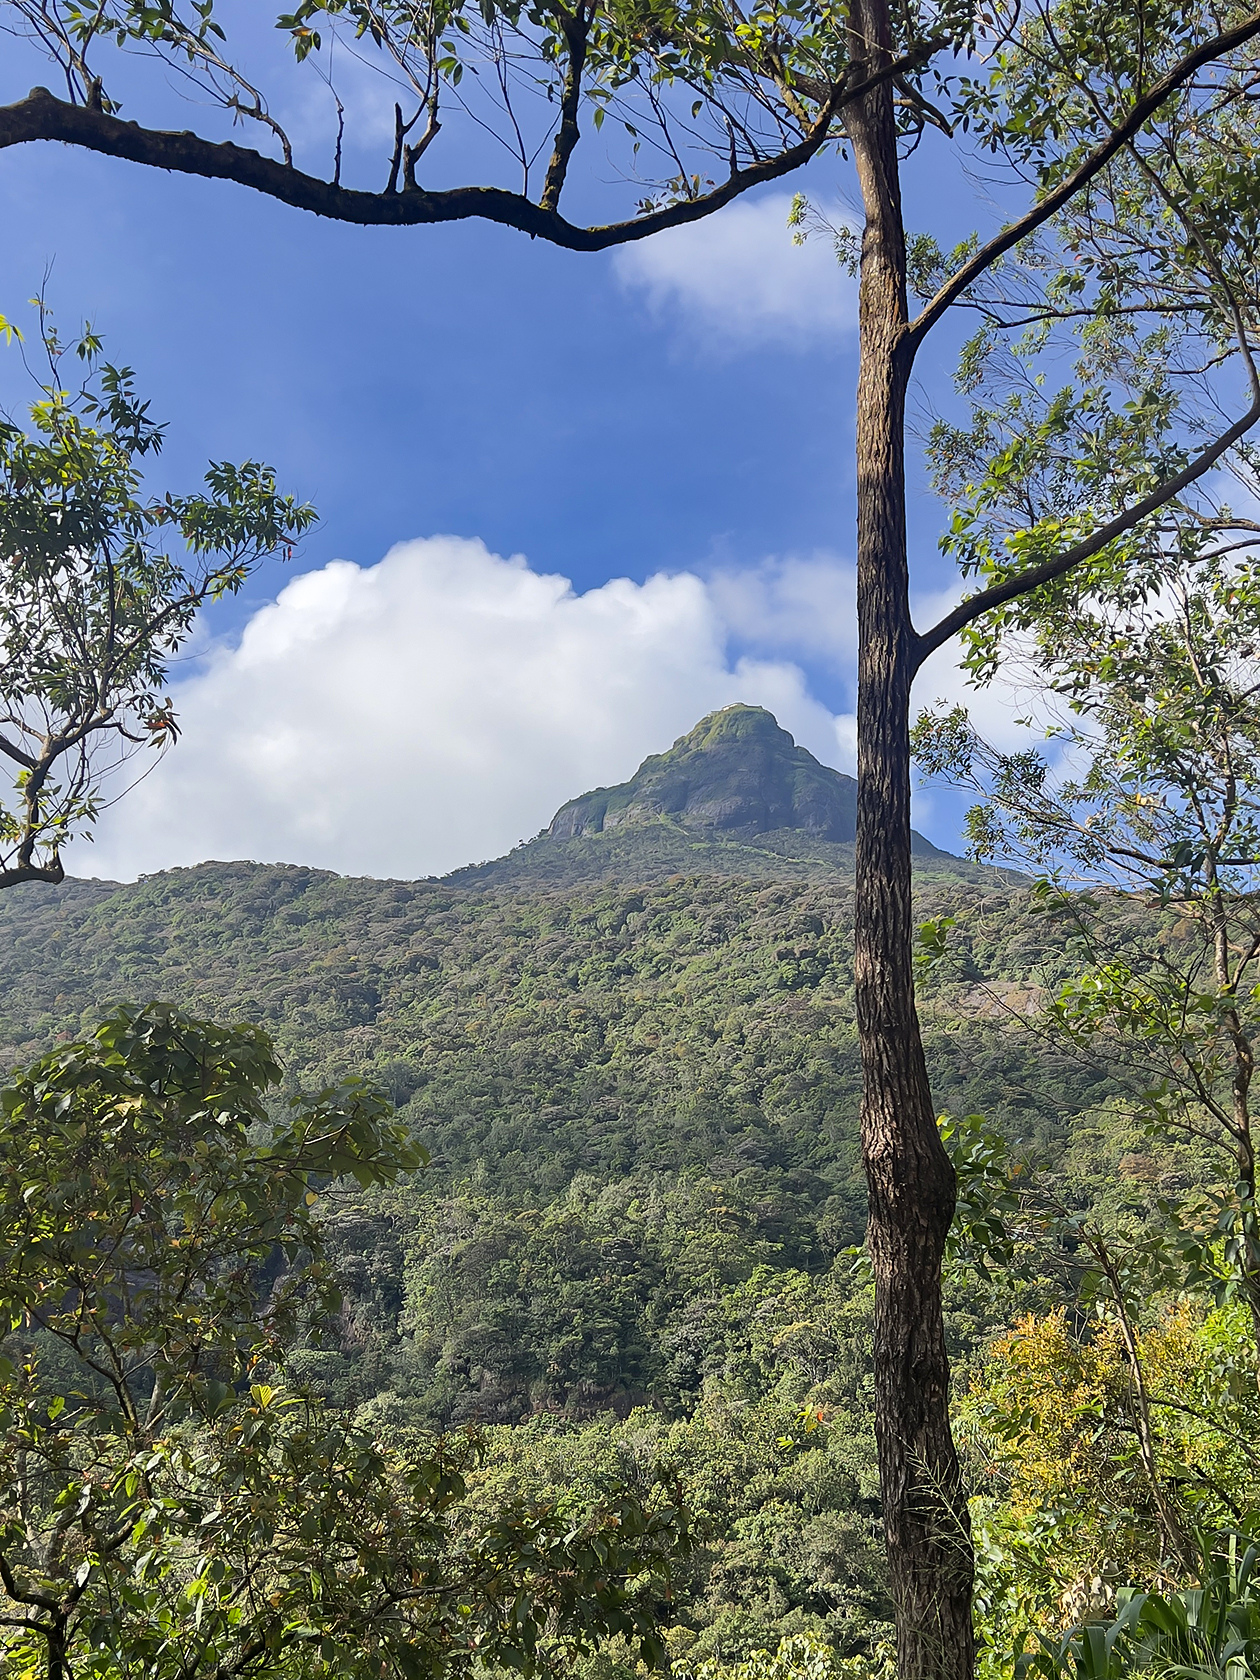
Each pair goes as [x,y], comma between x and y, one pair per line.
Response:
[681,414]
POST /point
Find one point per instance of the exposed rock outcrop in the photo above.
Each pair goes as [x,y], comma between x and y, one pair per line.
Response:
[737,772]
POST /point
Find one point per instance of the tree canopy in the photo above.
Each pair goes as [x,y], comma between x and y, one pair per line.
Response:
[103,580]
[169,1506]
[1126,133]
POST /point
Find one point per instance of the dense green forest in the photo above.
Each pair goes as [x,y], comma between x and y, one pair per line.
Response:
[633,1246]
[586,1235]
[697,1020]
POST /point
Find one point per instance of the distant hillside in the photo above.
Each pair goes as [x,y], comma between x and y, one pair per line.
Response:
[734,797]
[641,1101]
[654,851]
[632,1056]
[535,1035]
[631,991]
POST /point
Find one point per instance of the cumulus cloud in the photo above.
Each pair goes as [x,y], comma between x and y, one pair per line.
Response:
[806,607]
[996,711]
[803,604]
[738,277]
[429,711]
[406,718]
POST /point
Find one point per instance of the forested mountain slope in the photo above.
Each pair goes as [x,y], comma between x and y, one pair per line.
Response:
[641,1104]
[659,981]
[698,1020]
[639,1085]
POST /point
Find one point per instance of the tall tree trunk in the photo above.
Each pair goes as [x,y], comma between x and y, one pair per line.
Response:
[1242,1131]
[911,1181]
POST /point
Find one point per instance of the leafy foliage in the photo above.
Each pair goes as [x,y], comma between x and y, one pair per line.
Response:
[796,1657]
[102,582]
[649,1279]
[169,1507]
[1055,1406]
[785,1508]
[626,1260]
[1203,1632]
[633,1097]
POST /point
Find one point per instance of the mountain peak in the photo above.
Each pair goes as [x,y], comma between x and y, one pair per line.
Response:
[737,771]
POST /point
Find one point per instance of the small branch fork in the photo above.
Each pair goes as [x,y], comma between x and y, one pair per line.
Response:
[576,26]
[1021,583]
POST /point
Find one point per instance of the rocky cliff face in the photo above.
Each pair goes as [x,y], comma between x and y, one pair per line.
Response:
[737,772]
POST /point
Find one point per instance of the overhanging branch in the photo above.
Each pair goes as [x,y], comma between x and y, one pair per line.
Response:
[42,116]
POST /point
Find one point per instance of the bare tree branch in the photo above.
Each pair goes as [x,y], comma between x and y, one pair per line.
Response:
[42,116]
[576,27]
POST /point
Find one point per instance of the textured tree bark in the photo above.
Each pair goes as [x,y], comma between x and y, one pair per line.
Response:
[910,1179]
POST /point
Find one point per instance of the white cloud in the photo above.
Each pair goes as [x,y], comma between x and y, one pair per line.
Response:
[738,277]
[431,710]
[995,711]
[805,606]
[405,718]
